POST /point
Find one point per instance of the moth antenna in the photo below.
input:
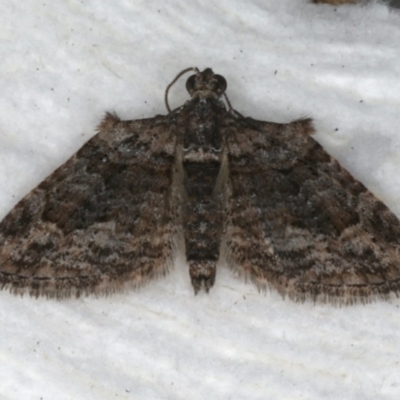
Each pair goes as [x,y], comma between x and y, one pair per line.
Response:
[195,69]
[230,109]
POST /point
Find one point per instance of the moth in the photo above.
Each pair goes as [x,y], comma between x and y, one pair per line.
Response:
[262,197]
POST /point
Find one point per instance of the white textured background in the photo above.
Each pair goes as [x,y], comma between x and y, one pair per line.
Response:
[63,63]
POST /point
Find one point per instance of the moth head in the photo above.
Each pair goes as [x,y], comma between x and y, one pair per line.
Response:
[206,82]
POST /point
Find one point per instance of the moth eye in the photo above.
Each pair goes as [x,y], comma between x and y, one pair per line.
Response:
[190,84]
[220,85]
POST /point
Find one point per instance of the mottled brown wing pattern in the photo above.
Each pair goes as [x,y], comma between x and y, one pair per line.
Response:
[107,217]
[299,222]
